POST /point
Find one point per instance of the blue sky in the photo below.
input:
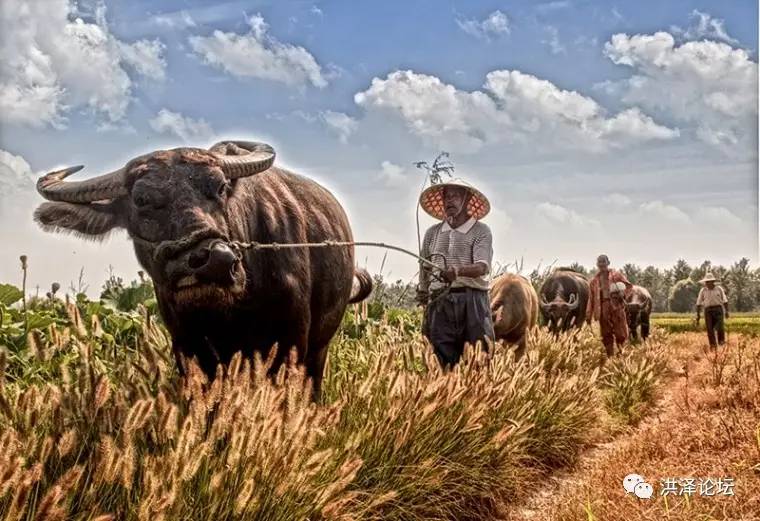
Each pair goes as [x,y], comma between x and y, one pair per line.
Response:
[592,126]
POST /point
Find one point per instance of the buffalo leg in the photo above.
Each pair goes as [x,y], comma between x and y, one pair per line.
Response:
[521,345]
[179,358]
[644,326]
[633,326]
[315,366]
[202,351]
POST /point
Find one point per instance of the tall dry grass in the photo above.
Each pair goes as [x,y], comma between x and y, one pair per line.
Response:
[709,427]
[113,434]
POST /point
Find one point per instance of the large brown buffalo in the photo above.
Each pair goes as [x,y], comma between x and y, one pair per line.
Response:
[185,210]
[638,307]
[564,297]
[514,308]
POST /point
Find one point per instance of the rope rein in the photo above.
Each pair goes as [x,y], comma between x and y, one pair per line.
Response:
[167,249]
[329,243]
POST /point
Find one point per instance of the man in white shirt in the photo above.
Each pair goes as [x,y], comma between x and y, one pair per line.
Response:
[457,307]
[712,300]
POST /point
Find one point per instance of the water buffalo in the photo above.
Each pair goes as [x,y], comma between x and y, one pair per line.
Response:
[638,307]
[514,307]
[185,210]
[564,296]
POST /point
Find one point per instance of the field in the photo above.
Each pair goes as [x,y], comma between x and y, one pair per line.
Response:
[738,323]
[95,424]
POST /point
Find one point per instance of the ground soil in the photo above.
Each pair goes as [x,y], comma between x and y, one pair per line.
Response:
[705,424]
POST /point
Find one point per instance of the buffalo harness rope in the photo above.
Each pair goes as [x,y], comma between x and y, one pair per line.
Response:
[167,249]
[328,243]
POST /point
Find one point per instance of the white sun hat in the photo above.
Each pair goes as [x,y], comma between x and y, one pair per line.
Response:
[431,200]
[709,277]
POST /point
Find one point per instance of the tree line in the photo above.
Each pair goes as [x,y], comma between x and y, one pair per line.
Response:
[673,289]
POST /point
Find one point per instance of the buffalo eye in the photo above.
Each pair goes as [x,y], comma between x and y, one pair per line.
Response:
[215,188]
[144,200]
[141,200]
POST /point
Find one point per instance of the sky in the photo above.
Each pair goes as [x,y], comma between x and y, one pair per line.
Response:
[592,126]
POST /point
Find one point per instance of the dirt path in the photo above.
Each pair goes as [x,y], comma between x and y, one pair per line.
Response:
[698,428]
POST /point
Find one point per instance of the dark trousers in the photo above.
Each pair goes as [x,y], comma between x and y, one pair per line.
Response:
[715,325]
[455,318]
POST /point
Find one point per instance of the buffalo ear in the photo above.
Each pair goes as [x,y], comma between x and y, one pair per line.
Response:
[90,221]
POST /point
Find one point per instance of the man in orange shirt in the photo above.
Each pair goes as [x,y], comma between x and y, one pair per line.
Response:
[606,304]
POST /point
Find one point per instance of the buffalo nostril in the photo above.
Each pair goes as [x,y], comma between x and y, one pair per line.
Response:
[198,259]
[219,264]
[222,255]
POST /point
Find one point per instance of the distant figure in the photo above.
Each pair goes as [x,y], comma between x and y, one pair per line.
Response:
[712,299]
[457,308]
[608,289]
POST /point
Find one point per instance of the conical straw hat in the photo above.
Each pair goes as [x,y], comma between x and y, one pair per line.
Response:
[431,200]
[709,277]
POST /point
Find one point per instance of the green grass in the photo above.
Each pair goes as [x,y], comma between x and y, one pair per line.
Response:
[740,323]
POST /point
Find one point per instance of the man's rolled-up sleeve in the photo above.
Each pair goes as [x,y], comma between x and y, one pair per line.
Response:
[482,248]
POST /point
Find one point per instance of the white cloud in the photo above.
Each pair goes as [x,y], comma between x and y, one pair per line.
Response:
[498,220]
[494,25]
[342,125]
[705,26]
[709,86]
[146,57]
[512,107]
[188,129]
[555,46]
[617,199]
[15,174]
[182,19]
[557,214]
[665,211]
[54,62]
[316,11]
[259,55]
[393,175]
[717,215]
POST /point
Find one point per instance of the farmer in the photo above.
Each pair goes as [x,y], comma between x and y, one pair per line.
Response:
[712,299]
[457,308]
[607,291]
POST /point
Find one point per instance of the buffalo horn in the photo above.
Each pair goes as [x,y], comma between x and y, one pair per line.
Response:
[243,158]
[52,186]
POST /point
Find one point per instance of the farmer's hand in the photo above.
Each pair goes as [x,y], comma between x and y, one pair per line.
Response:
[726,314]
[449,275]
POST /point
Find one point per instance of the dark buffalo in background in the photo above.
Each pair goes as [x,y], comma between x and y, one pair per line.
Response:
[184,209]
[638,308]
[563,300]
[514,309]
